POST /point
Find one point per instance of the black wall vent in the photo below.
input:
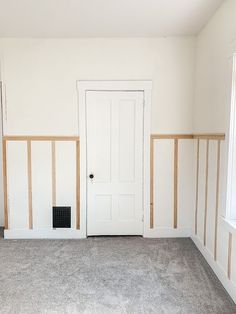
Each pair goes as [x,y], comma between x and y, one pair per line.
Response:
[61,216]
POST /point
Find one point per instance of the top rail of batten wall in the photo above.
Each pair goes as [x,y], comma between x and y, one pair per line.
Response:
[39,138]
[202,136]
[176,137]
[29,139]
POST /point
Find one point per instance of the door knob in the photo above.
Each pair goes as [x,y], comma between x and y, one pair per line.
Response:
[91,176]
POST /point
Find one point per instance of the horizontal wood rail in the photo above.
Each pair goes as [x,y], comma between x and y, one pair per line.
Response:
[29,139]
[176,137]
[202,136]
[39,138]
[210,136]
[171,136]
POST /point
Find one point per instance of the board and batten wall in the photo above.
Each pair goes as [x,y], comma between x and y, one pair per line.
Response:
[215,47]
[40,98]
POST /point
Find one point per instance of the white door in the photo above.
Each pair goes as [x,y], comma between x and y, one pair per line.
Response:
[114,162]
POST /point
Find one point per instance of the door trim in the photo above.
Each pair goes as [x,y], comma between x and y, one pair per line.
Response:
[146,88]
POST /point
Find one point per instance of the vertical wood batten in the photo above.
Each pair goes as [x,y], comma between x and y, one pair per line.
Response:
[77,184]
[53,173]
[197,181]
[152,184]
[206,193]
[4,150]
[29,161]
[217,198]
[230,240]
[176,157]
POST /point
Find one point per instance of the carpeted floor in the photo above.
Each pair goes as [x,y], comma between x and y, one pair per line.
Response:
[108,275]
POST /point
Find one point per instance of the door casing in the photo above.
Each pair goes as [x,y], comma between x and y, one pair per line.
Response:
[82,88]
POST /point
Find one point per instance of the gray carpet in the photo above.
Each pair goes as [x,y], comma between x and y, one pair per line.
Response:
[108,275]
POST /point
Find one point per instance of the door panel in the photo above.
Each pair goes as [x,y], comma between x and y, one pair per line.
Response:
[126,141]
[115,158]
[99,138]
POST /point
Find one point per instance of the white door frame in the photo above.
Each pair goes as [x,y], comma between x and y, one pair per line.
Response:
[82,88]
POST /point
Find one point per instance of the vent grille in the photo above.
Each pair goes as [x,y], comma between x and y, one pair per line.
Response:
[61,217]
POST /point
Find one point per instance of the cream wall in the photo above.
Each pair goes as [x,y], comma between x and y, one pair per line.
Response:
[215,46]
[40,98]
[40,79]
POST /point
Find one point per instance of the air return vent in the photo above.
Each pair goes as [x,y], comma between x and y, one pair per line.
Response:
[61,217]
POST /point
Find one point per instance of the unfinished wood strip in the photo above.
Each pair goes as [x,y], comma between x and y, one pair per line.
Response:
[171,136]
[176,157]
[77,185]
[152,183]
[217,200]
[206,193]
[30,184]
[53,173]
[230,255]
[209,136]
[4,150]
[1,105]
[40,138]
[216,136]
[197,189]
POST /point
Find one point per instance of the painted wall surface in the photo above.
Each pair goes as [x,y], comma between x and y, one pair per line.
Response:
[215,47]
[40,79]
[40,98]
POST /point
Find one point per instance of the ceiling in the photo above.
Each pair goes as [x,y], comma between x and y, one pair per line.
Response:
[104,18]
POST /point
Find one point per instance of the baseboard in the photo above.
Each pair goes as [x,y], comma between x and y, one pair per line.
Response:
[44,234]
[162,232]
[218,270]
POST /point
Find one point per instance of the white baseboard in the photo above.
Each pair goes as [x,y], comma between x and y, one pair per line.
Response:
[168,233]
[77,234]
[44,234]
[218,270]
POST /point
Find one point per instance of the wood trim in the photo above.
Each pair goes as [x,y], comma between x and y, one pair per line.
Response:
[209,136]
[206,193]
[197,188]
[217,199]
[152,184]
[53,173]
[229,270]
[4,150]
[77,185]
[171,136]
[176,157]
[202,136]
[216,136]
[29,161]
[40,138]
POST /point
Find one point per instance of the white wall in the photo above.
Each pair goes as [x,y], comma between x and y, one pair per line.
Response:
[40,87]
[40,79]
[215,45]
